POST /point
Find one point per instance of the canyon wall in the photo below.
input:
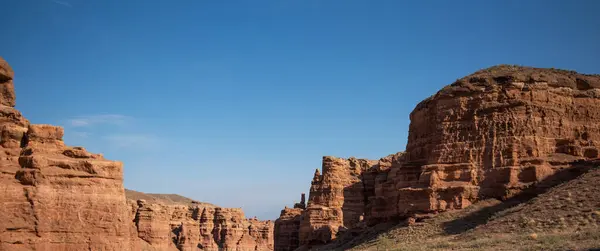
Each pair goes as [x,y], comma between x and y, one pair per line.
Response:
[493,134]
[287,229]
[158,227]
[56,197]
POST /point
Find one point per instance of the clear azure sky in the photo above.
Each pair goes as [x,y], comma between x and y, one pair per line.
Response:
[235,102]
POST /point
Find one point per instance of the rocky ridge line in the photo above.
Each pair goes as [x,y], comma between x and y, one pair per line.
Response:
[57,197]
[491,134]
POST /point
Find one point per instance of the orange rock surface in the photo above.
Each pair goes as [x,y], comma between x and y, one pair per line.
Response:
[287,228]
[196,227]
[56,197]
[490,134]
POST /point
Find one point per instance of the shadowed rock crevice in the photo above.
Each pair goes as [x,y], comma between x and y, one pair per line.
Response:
[32,204]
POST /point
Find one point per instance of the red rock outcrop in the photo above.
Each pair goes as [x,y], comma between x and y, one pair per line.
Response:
[491,134]
[196,227]
[7,88]
[287,228]
[336,199]
[55,197]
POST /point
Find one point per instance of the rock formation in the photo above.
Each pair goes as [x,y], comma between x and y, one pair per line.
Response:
[56,197]
[287,229]
[491,134]
[196,227]
[336,199]
[302,203]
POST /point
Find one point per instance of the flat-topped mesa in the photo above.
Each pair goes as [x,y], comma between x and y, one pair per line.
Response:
[501,129]
[54,197]
[493,133]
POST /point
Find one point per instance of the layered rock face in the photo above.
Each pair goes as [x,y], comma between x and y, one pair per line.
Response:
[196,227]
[7,88]
[16,213]
[491,134]
[287,229]
[55,197]
[494,133]
[336,200]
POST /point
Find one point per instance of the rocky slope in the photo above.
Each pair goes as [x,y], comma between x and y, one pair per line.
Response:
[167,199]
[492,134]
[56,197]
[571,206]
[563,217]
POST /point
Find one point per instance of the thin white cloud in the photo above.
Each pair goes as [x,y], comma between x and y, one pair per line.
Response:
[90,120]
[132,141]
[80,135]
[63,3]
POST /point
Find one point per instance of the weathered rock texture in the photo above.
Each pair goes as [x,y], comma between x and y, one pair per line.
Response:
[54,197]
[288,226]
[336,199]
[7,88]
[491,134]
[196,227]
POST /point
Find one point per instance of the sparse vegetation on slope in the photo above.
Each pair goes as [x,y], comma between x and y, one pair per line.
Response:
[566,217]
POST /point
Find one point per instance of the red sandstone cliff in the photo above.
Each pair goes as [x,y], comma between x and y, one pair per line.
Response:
[491,134]
[56,197]
[159,226]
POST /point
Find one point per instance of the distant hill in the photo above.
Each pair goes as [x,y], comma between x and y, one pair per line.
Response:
[167,199]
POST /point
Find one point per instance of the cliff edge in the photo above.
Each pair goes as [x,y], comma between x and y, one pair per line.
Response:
[57,197]
[490,135]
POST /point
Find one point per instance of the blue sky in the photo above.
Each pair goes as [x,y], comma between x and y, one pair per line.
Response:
[235,102]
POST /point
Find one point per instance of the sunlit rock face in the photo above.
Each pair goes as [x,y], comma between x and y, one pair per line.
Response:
[491,134]
[158,227]
[56,197]
[494,133]
[52,196]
